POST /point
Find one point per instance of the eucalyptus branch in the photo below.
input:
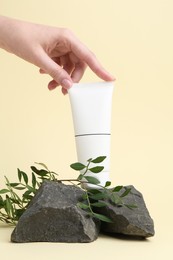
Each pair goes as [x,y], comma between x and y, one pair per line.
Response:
[12,206]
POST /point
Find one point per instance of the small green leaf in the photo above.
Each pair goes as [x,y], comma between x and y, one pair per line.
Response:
[117,188]
[14,184]
[126,192]
[19,188]
[116,199]
[82,205]
[92,180]
[19,212]
[26,195]
[98,196]
[77,166]
[99,159]
[54,173]
[107,184]
[15,201]
[102,217]
[8,183]
[93,191]
[84,196]
[1,202]
[8,205]
[3,191]
[98,204]
[131,206]
[96,169]
[34,181]
[19,175]
[30,188]
[42,164]
[80,177]
[26,198]
[25,177]
[89,160]
[41,172]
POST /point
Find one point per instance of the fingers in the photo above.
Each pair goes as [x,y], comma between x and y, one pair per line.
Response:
[42,71]
[59,75]
[96,67]
[85,55]
[78,71]
[52,84]
[64,91]
[72,66]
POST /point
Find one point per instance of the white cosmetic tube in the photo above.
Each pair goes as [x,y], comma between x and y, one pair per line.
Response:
[91,105]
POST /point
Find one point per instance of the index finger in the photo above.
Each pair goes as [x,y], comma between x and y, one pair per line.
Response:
[83,53]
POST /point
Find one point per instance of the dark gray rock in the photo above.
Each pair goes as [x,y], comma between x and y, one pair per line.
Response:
[53,216]
[133,222]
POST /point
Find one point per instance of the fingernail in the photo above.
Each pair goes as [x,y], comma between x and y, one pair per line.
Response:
[64,91]
[66,83]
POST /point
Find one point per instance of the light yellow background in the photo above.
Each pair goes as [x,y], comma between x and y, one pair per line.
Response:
[133,39]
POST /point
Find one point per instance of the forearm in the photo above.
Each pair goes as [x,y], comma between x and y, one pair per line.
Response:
[5,31]
[10,30]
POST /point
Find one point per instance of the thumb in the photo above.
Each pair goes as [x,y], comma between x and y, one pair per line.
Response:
[55,71]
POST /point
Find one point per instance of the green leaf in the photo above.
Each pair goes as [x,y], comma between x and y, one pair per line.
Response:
[28,192]
[96,169]
[80,177]
[19,188]
[41,172]
[8,183]
[93,191]
[92,180]
[89,160]
[54,173]
[18,213]
[131,206]
[27,196]
[30,188]
[8,205]
[15,201]
[84,196]
[99,159]
[3,191]
[77,166]
[1,203]
[107,184]
[98,204]
[116,199]
[34,181]
[102,217]
[98,196]
[42,164]
[117,188]
[126,192]
[14,184]
[19,175]
[25,177]
[82,205]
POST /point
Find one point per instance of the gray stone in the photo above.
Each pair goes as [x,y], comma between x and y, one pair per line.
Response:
[53,216]
[133,222]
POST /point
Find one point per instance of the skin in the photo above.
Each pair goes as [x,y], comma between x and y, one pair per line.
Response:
[56,51]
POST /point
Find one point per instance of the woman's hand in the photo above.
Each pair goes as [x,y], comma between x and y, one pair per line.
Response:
[56,51]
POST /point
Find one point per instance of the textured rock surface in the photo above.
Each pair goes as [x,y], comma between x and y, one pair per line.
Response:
[133,222]
[54,217]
